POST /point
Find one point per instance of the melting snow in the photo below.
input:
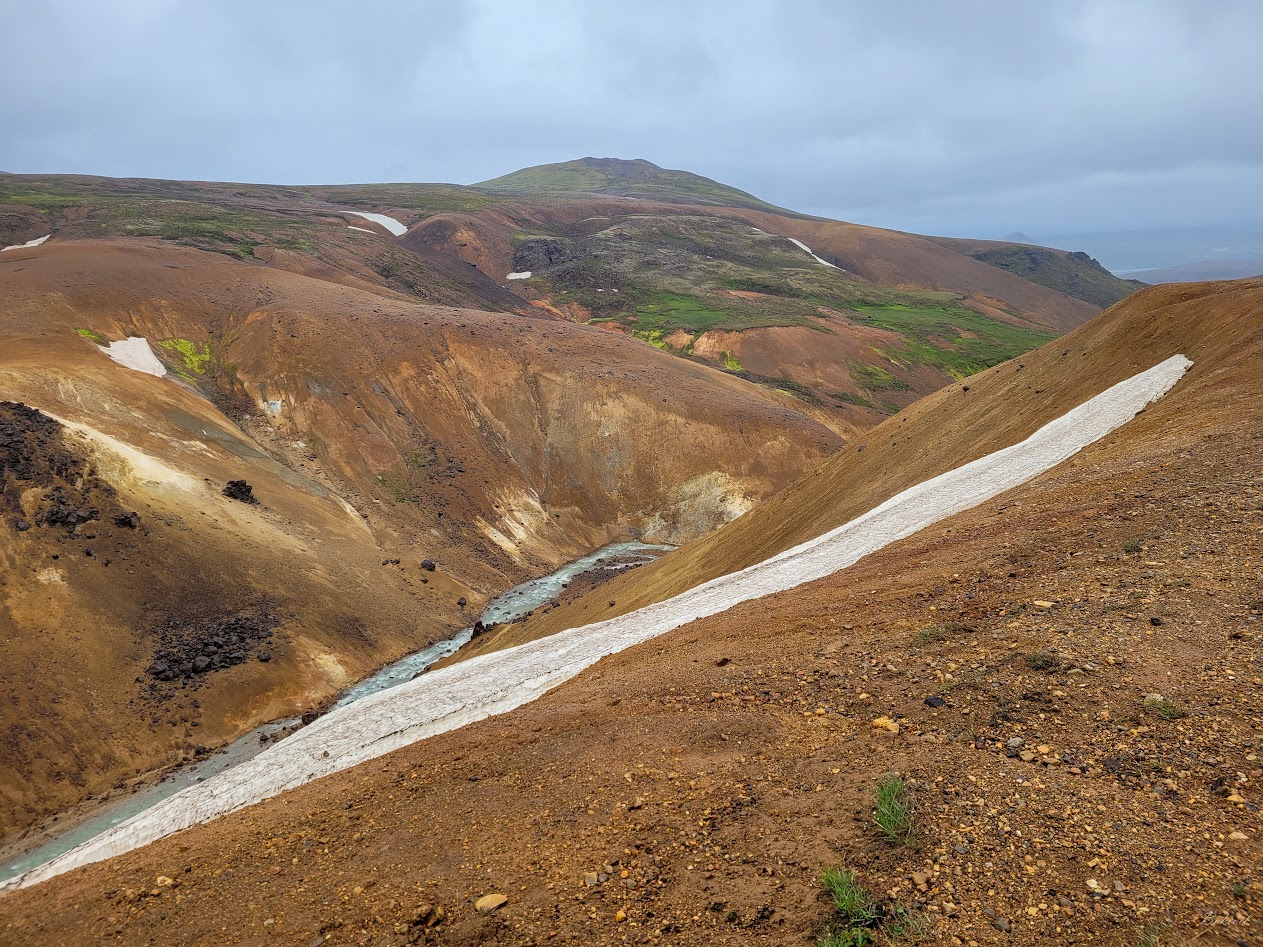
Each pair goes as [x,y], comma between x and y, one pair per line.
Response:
[802,246]
[389,223]
[524,275]
[361,229]
[135,353]
[499,682]
[30,243]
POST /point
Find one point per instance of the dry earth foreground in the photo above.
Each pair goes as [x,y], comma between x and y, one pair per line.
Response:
[1066,680]
[146,617]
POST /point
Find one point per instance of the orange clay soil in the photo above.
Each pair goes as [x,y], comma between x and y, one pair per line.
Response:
[375,431]
[690,790]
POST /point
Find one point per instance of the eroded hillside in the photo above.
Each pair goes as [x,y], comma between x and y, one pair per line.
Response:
[1065,678]
[375,432]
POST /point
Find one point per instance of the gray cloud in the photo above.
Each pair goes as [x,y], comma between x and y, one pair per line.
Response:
[973,118]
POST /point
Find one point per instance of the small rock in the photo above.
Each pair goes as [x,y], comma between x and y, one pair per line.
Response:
[23,526]
[1238,837]
[490,902]
[127,520]
[920,879]
[1014,743]
[637,803]
[1001,924]
[163,881]
[461,603]
[1041,603]
[427,565]
[590,879]
[935,701]
[885,723]
[619,916]
[1026,756]
[1155,621]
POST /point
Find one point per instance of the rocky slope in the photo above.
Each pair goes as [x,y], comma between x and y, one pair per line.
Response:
[1065,677]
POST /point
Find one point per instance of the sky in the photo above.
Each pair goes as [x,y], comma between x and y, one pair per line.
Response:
[971,118]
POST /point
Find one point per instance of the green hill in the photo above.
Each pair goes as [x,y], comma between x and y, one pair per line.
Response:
[1071,272]
[621,178]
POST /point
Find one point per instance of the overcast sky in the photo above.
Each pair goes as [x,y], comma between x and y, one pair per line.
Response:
[968,117]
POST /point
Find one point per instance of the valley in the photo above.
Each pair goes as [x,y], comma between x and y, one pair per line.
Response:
[260,443]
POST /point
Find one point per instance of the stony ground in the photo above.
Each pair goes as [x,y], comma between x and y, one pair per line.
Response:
[1090,773]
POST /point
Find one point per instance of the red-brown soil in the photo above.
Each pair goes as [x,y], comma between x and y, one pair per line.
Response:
[690,790]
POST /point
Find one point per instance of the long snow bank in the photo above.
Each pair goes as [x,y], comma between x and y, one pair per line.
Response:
[495,683]
[135,353]
[30,243]
[525,274]
[802,246]
[389,223]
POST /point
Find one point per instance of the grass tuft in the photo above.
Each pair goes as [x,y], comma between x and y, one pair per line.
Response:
[1166,708]
[893,811]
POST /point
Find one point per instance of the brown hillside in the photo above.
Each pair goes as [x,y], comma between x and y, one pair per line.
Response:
[690,790]
[375,431]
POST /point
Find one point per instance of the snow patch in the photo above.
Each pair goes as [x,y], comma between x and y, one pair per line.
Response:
[30,243]
[389,223]
[802,246]
[499,682]
[524,275]
[135,353]
[361,229]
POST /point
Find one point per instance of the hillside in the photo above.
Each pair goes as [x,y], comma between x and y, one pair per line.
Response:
[1071,272]
[855,328]
[621,178]
[375,431]
[1064,676]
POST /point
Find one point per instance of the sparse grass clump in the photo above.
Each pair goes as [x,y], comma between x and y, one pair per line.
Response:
[856,913]
[1132,546]
[1043,661]
[893,811]
[944,631]
[858,918]
[1165,707]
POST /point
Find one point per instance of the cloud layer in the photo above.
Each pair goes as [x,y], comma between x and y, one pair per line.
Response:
[971,118]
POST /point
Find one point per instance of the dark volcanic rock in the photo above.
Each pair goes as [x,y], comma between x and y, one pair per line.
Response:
[427,565]
[191,649]
[240,490]
[127,520]
[537,255]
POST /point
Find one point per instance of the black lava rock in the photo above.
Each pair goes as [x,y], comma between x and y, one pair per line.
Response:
[241,491]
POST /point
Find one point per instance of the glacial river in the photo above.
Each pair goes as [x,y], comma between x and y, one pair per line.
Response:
[512,605]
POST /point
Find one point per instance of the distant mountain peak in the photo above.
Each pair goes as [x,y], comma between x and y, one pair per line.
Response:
[1017,237]
[626,177]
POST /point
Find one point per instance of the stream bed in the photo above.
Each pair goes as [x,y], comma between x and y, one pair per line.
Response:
[510,606]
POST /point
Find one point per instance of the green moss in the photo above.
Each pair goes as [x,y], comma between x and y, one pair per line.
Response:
[876,378]
[196,357]
[92,335]
[731,362]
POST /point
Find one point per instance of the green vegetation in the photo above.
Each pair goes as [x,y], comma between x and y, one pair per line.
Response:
[1132,546]
[876,378]
[196,357]
[93,336]
[731,362]
[952,338]
[893,811]
[856,913]
[1165,708]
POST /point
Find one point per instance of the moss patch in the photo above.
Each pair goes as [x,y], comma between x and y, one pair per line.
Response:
[196,357]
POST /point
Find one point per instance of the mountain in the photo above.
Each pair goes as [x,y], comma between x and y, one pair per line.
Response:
[1045,684]
[1071,272]
[617,177]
